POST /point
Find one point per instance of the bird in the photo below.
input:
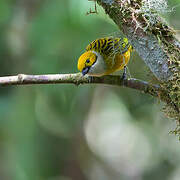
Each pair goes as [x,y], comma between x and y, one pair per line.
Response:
[105,56]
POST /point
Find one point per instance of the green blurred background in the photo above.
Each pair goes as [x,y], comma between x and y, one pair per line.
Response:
[65,132]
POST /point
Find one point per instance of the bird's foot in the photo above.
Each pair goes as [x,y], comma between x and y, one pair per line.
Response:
[124,76]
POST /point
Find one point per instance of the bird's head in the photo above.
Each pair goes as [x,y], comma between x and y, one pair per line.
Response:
[86,61]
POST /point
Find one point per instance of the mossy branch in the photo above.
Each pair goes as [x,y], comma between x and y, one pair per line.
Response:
[154,40]
[148,38]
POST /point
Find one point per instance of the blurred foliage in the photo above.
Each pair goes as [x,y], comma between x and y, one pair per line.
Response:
[64,132]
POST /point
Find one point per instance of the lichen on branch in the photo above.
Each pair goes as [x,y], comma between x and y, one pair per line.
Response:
[154,40]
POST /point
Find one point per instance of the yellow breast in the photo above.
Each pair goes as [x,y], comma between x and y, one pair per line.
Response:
[117,62]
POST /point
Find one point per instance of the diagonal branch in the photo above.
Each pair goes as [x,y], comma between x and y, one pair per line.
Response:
[155,42]
[151,40]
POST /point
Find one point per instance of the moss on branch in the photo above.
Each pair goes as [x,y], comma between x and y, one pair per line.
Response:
[155,42]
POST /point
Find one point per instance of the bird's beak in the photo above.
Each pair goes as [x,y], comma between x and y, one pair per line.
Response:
[85,70]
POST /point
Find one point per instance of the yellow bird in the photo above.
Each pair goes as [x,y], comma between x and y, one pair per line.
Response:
[104,56]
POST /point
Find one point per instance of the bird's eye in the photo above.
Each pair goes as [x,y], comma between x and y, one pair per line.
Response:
[87,61]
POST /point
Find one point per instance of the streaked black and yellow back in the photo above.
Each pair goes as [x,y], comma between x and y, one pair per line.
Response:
[109,46]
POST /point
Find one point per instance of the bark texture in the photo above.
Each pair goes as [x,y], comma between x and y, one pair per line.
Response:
[155,42]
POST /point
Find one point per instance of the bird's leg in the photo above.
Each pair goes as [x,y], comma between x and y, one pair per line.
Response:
[90,79]
[124,73]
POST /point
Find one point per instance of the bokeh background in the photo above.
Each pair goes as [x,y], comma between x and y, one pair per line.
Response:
[65,132]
